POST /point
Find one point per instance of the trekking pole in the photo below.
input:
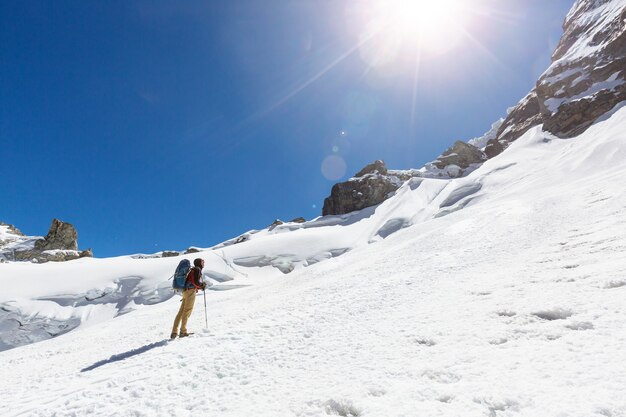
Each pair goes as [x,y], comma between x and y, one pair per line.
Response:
[206,320]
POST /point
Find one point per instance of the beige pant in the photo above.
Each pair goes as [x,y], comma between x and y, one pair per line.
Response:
[186,307]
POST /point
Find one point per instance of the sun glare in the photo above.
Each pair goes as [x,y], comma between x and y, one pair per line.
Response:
[395,26]
[420,19]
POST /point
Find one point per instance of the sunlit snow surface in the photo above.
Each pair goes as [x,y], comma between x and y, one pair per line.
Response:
[499,294]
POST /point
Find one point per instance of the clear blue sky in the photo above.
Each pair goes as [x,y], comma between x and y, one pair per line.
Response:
[160,125]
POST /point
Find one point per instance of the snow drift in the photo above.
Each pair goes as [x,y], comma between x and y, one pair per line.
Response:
[497,294]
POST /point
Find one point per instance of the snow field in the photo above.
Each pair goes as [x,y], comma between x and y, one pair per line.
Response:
[509,303]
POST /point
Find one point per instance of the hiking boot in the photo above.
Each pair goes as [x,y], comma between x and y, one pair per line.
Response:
[184,334]
[173,336]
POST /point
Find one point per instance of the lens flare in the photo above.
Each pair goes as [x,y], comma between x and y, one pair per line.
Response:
[333,167]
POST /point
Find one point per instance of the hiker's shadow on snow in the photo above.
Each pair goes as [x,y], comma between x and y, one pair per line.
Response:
[125,355]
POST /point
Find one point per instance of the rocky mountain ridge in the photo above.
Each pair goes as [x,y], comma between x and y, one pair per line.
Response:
[375,183]
[585,81]
[60,244]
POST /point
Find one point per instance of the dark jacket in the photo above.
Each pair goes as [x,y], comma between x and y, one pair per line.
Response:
[194,279]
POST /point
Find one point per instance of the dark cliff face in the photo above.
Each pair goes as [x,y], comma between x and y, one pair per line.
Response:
[61,236]
[461,154]
[371,186]
[584,81]
[522,117]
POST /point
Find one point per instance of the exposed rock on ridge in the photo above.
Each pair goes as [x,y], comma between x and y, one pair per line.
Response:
[61,236]
[520,119]
[375,183]
[585,80]
[60,244]
[371,186]
[461,154]
[11,229]
[376,167]
[580,87]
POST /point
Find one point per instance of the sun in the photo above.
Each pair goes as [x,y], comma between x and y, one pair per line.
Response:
[427,25]
[421,18]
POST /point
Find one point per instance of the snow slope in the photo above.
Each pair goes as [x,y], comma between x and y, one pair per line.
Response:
[497,294]
[11,241]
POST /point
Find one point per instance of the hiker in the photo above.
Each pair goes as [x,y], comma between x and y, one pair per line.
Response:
[193,283]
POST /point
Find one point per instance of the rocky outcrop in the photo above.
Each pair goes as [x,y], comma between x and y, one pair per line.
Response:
[370,186]
[60,244]
[279,222]
[494,148]
[525,115]
[12,229]
[274,224]
[376,167]
[462,155]
[50,256]
[62,236]
[585,80]
[375,183]
[588,72]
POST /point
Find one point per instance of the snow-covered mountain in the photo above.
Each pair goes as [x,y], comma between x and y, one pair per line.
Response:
[496,293]
[585,81]
[587,77]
